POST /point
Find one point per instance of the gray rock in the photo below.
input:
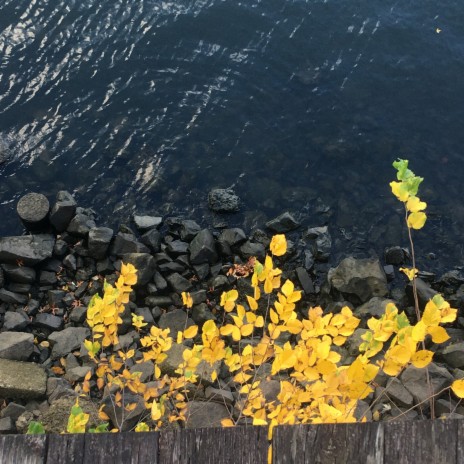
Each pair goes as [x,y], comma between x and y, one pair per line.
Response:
[203,248]
[375,307]
[17,346]
[160,281]
[146,370]
[21,274]
[415,380]
[48,321]
[188,230]
[62,211]
[359,279]
[119,417]
[283,223]
[99,240]
[15,321]
[363,410]
[305,280]
[176,320]
[145,265]
[270,389]
[77,373]
[13,410]
[127,243]
[219,395]
[58,387]
[177,247]
[395,255]
[47,278]
[7,426]
[12,297]
[162,301]
[144,223]
[33,210]
[354,341]
[205,414]
[322,242]
[424,292]
[80,225]
[399,394]
[223,201]
[178,283]
[232,237]
[201,313]
[152,239]
[249,249]
[21,380]
[28,249]
[453,355]
[67,340]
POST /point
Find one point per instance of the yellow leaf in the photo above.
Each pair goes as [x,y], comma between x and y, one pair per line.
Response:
[227,423]
[187,299]
[439,334]
[400,190]
[191,331]
[287,288]
[252,303]
[259,421]
[278,245]
[418,332]
[422,358]
[410,273]
[416,220]
[414,205]
[458,388]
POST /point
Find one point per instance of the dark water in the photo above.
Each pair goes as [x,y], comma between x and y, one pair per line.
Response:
[302,105]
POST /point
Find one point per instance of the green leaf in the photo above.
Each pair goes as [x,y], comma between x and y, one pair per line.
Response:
[402,321]
[35,428]
[403,172]
[102,428]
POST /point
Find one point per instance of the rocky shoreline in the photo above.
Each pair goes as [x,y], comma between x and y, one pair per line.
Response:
[48,276]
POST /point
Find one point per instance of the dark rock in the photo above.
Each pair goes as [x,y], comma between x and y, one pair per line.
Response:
[322,242]
[77,373]
[453,355]
[178,283]
[78,314]
[16,346]
[70,262]
[205,414]
[232,237]
[201,313]
[2,278]
[395,255]
[146,370]
[80,225]
[424,292]
[55,298]
[202,271]
[13,410]
[308,260]
[47,278]
[29,249]
[250,249]
[146,314]
[399,394]
[32,307]
[223,201]
[15,287]
[219,395]
[305,281]
[170,267]
[203,248]
[176,320]
[219,282]
[58,387]
[375,307]
[452,279]
[162,301]
[99,240]
[145,265]
[21,274]
[105,266]
[48,321]
[177,247]
[152,239]
[119,417]
[60,248]
[389,272]
[127,243]
[188,230]
[358,279]
[144,223]
[11,297]
[283,223]
[160,281]
[67,340]
[15,321]
[62,211]
[198,296]
[33,211]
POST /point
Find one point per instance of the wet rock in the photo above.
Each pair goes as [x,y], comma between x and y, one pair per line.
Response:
[249,249]
[178,283]
[144,223]
[145,265]
[48,321]
[399,394]
[67,340]
[305,280]
[80,225]
[375,307]
[359,279]
[21,274]
[17,346]
[453,355]
[283,223]
[62,211]
[15,321]
[395,255]
[424,292]
[321,242]
[415,380]
[203,248]
[223,201]
[12,297]
[205,414]
[29,249]
[33,211]
[99,240]
[20,380]
[127,243]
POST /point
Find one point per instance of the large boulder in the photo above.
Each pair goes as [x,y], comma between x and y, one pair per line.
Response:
[27,249]
[359,280]
[22,380]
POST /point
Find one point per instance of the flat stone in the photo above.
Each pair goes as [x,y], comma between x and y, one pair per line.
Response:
[62,211]
[17,346]
[29,249]
[400,395]
[67,340]
[20,380]
[283,223]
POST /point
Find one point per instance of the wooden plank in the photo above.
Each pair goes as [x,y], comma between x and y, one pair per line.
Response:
[240,445]
[121,448]
[66,448]
[24,449]
[459,441]
[328,443]
[421,442]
